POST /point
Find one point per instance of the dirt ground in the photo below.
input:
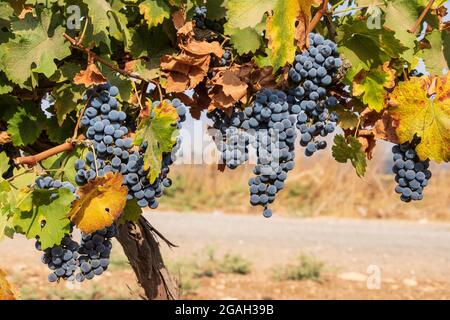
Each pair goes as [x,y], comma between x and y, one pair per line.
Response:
[361,259]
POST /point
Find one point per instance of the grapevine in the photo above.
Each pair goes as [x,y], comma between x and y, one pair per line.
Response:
[92,109]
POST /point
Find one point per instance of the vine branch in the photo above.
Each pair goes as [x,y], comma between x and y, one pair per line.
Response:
[422,16]
[75,44]
[319,14]
[34,159]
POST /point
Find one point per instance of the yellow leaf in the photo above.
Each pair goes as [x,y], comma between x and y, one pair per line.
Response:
[282,31]
[101,202]
[421,106]
[7,291]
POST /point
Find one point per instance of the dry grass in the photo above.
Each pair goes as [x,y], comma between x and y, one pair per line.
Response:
[316,187]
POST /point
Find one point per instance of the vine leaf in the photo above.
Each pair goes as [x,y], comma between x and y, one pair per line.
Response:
[160,134]
[350,149]
[4,165]
[43,214]
[282,32]
[427,117]
[228,89]
[101,202]
[7,291]
[89,77]
[132,212]
[147,70]
[373,85]
[367,48]
[244,40]
[191,66]
[26,124]
[33,49]
[7,209]
[433,54]
[98,12]
[247,13]
[216,9]
[154,11]
[408,11]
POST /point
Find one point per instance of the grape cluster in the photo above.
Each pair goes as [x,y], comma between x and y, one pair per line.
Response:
[202,22]
[268,126]
[114,152]
[62,259]
[411,174]
[234,142]
[95,252]
[275,145]
[313,71]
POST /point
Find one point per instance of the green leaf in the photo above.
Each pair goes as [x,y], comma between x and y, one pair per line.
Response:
[23,178]
[148,70]
[59,134]
[244,40]
[160,133]
[373,86]
[67,99]
[4,164]
[118,27]
[216,9]
[408,11]
[367,48]
[7,208]
[45,216]
[132,212]
[26,124]
[434,58]
[33,49]
[5,84]
[98,12]
[401,15]
[154,11]
[247,13]
[351,150]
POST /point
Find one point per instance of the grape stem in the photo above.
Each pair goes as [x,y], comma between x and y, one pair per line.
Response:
[34,159]
[413,30]
[75,44]
[75,132]
[315,20]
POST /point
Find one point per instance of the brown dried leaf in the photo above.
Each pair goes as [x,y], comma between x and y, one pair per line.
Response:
[201,48]
[91,76]
[186,30]
[179,19]
[4,137]
[231,85]
[384,129]
[177,82]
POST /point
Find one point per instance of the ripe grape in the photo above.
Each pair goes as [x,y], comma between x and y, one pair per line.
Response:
[411,174]
[312,72]
[115,151]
